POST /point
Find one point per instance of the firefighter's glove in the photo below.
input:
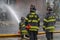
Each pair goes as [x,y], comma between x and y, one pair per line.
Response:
[28,27]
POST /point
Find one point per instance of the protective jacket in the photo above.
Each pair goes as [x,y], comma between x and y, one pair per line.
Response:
[33,20]
[49,22]
[22,28]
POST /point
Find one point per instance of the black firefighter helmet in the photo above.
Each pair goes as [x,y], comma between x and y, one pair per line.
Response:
[32,8]
[49,9]
[22,18]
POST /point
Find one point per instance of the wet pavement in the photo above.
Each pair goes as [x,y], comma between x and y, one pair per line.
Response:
[40,37]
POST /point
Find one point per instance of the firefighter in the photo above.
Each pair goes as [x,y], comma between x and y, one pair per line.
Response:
[22,28]
[33,22]
[48,23]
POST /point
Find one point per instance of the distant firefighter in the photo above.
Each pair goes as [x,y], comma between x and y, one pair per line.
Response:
[32,23]
[48,23]
[22,28]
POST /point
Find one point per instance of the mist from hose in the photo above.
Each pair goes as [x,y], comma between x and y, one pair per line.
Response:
[12,12]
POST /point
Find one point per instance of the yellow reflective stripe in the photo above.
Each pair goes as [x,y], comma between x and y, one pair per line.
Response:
[45,20]
[44,27]
[32,13]
[51,20]
[24,30]
[38,19]
[23,25]
[34,20]
[52,30]
[51,17]
[51,27]
[29,20]
[26,18]
[35,16]
[34,27]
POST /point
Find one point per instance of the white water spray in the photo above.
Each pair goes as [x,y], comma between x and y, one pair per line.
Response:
[12,12]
